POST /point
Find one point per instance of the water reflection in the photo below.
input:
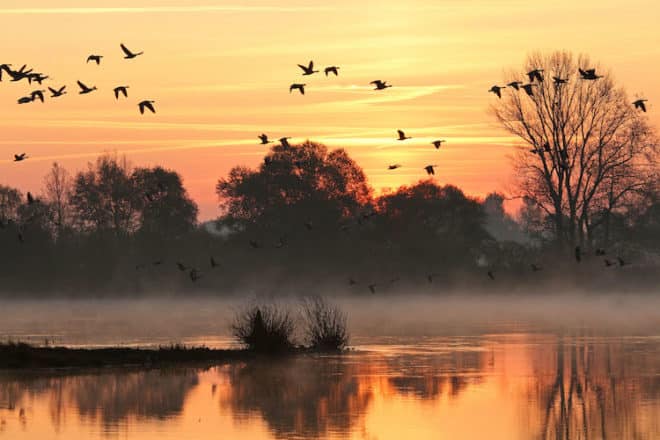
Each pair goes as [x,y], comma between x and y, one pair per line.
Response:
[494,386]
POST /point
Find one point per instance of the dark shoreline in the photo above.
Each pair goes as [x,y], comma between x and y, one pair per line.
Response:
[15,356]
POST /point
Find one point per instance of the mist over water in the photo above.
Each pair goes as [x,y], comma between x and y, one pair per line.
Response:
[205,320]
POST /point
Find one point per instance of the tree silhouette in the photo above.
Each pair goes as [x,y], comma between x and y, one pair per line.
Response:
[304,183]
[104,198]
[166,209]
[587,148]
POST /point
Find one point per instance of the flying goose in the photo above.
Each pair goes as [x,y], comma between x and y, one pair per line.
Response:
[149,105]
[394,166]
[380,85]
[128,54]
[37,94]
[331,69]
[559,81]
[535,74]
[528,89]
[285,142]
[308,70]
[402,136]
[264,139]
[430,169]
[20,157]
[95,58]
[299,87]
[515,85]
[437,144]
[497,90]
[120,89]
[639,104]
[59,92]
[84,89]
[589,74]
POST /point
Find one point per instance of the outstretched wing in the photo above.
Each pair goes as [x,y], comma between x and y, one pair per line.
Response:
[82,86]
[401,134]
[125,50]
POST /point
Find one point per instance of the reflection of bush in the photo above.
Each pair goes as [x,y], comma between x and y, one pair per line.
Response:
[430,378]
[300,396]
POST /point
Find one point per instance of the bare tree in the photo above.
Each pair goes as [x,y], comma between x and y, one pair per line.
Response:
[57,185]
[586,148]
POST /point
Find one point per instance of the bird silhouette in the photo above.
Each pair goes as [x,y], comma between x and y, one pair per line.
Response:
[559,81]
[535,268]
[608,263]
[120,89]
[600,252]
[331,69]
[536,74]
[497,90]
[394,167]
[309,69]
[430,276]
[402,136]
[299,87]
[309,225]
[84,89]
[621,261]
[589,74]
[372,288]
[95,58]
[214,263]
[437,144]
[194,275]
[429,170]
[182,267]
[127,53]
[37,77]
[491,275]
[285,142]
[352,282]
[148,105]
[25,100]
[56,93]
[264,139]
[20,157]
[380,85]
[515,85]
[37,94]
[528,88]
[578,254]
[639,104]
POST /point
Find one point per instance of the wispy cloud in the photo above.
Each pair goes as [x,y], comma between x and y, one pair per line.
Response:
[163,9]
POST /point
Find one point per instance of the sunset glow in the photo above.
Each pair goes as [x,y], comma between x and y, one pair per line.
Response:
[220,71]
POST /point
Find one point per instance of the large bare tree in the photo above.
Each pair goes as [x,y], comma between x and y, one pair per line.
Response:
[585,148]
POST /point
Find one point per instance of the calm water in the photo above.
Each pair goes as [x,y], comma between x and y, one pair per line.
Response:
[571,383]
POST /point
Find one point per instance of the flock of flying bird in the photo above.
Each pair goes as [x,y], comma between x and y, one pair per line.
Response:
[535,76]
[31,76]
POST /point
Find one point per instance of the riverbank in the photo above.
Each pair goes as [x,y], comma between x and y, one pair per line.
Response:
[22,356]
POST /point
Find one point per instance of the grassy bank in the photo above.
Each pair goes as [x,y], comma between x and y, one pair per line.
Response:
[21,355]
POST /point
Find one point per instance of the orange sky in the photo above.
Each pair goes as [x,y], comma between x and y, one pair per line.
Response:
[219,72]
